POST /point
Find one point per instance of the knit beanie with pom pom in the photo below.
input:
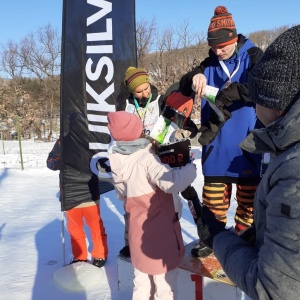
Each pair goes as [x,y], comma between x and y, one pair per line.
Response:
[221,31]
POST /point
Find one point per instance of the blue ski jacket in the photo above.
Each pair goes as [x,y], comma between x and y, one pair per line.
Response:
[223,160]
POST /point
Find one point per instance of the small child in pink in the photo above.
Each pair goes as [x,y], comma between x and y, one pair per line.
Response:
[146,185]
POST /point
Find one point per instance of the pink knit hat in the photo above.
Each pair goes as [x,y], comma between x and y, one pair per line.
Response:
[124,126]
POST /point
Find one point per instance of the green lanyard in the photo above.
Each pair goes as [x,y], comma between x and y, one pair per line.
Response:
[142,111]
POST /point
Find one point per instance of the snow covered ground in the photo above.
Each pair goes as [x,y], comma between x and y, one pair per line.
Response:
[32,246]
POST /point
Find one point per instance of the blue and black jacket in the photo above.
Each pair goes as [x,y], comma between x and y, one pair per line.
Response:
[223,160]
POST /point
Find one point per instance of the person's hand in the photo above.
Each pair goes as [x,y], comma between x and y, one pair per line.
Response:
[189,193]
[208,134]
[234,92]
[199,85]
[103,165]
[192,128]
[222,101]
[180,134]
[185,133]
[210,130]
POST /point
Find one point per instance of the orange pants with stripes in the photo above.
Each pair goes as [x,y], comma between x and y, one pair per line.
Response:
[75,219]
[217,197]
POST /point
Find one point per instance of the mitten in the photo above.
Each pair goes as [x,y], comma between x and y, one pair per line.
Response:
[208,134]
[192,127]
[223,100]
[181,134]
[234,92]
[102,165]
[214,226]
[189,193]
[211,130]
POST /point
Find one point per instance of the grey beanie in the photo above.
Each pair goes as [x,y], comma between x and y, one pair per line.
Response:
[274,81]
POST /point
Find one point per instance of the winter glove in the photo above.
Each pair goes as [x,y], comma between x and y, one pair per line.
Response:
[209,132]
[234,92]
[249,235]
[189,193]
[210,227]
[222,100]
[102,165]
[188,131]
[181,134]
[192,127]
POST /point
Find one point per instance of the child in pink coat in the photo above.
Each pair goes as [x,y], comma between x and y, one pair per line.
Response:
[146,185]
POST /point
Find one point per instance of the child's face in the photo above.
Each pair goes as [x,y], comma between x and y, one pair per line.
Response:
[267,115]
[142,91]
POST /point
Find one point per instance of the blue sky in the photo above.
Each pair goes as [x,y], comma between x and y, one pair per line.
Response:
[20,17]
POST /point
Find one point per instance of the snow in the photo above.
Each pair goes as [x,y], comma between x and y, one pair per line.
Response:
[33,246]
[78,277]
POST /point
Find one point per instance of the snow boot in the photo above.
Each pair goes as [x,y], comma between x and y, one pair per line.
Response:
[201,250]
[75,260]
[99,262]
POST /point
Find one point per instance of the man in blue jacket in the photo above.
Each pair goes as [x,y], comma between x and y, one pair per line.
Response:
[230,59]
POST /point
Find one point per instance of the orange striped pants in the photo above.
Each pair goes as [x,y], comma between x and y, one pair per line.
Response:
[217,197]
[91,214]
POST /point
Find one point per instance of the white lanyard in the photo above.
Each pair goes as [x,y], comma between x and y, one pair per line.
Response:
[225,69]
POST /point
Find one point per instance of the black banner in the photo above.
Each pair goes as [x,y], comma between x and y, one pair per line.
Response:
[98,45]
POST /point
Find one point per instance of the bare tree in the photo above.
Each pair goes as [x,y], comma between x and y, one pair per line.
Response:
[144,38]
[160,67]
[11,62]
[41,52]
[185,34]
[37,55]
[263,38]
[34,66]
